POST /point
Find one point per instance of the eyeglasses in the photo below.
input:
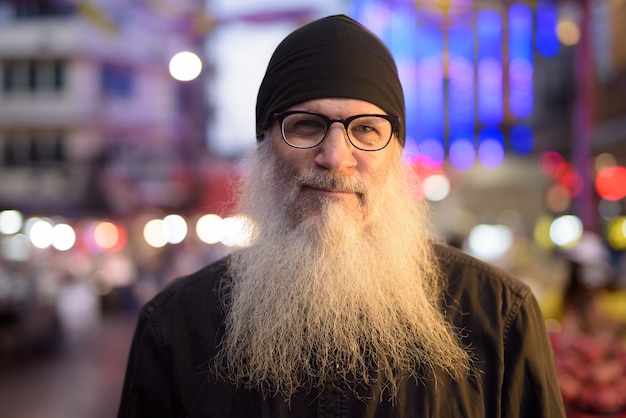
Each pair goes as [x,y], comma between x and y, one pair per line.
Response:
[303,130]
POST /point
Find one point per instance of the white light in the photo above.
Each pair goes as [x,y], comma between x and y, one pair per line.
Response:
[40,233]
[16,248]
[185,66]
[177,227]
[566,230]
[237,231]
[436,187]
[28,224]
[10,221]
[156,233]
[63,237]
[210,229]
[490,242]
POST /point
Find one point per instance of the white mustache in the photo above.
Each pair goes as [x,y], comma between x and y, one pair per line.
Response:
[331,181]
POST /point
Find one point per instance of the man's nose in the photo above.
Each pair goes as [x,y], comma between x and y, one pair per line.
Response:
[336,152]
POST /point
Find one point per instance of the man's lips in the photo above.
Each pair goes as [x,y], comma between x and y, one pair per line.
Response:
[327,189]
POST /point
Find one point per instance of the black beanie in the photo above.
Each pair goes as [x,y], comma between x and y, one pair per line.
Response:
[333,57]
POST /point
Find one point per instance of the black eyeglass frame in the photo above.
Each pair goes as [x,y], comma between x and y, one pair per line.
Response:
[280,117]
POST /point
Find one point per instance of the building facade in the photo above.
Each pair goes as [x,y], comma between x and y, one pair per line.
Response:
[91,121]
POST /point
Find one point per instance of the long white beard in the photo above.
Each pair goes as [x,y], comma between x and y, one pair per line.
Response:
[325,294]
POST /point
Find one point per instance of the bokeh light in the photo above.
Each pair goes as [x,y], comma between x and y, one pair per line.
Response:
[63,237]
[522,139]
[546,37]
[549,162]
[40,233]
[568,176]
[604,160]
[491,148]
[177,228]
[490,107]
[616,233]
[558,198]
[436,187]
[429,81]
[109,236]
[461,96]
[490,242]
[566,230]
[185,66]
[16,248]
[520,60]
[462,153]
[210,228]
[237,231]
[433,149]
[568,32]
[541,232]
[490,78]
[611,182]
[11,221]
[156,233]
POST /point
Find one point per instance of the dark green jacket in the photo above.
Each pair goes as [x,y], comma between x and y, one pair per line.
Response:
[179,330]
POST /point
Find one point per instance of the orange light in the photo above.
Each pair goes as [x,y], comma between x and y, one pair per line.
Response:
[558,198]
[109,237]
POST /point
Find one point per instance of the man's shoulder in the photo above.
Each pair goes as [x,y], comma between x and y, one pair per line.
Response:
[464,272]
[201,286]
[479,295]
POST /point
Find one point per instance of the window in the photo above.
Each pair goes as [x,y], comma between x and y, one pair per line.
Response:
[33,75]
[39,148]
[28,9]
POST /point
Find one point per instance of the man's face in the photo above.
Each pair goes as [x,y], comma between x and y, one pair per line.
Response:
[335,171]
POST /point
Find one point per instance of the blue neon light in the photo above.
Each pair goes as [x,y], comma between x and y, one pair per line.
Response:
[430,106]
[431,147]
[490,148]
[374,15]
[520,60]
[546,37]
[461,77]
[522,139]
[490,91]
[475,79]
[462,150]
[403,36]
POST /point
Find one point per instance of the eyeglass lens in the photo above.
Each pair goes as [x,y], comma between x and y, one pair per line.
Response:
[306,130]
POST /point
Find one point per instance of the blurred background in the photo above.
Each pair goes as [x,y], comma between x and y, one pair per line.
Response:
[122,124]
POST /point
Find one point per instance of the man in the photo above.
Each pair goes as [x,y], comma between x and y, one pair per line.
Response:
[343,306]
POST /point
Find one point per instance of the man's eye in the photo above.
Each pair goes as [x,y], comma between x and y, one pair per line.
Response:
[309,123]
[365,129]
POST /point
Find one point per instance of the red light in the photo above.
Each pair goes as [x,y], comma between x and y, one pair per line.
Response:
[568,176]
[549,162]
[611,183]
[424,167]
